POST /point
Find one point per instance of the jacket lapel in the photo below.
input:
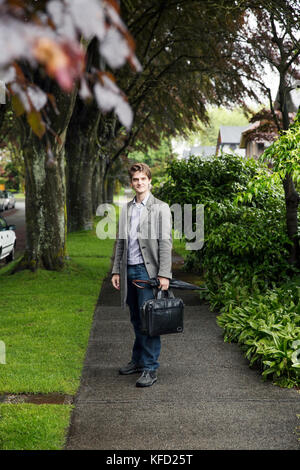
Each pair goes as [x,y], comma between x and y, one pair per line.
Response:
[146,212]
[128,215]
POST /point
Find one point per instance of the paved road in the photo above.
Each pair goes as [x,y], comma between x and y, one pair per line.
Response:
[206,396]
[16,216]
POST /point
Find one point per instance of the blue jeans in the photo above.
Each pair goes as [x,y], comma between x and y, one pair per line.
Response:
[146,349]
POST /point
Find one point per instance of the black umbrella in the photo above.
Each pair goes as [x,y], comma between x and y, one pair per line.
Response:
[174,283]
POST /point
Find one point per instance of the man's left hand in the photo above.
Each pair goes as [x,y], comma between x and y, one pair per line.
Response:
[164,283]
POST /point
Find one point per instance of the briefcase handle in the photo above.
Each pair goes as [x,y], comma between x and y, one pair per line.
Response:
[161,294]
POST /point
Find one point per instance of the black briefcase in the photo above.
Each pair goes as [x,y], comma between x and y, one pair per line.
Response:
[163,315]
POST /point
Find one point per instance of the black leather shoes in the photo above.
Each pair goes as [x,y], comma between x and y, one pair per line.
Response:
[131,368]
[147,378]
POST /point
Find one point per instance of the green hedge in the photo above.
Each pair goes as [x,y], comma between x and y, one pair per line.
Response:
[267,326]
[244,257]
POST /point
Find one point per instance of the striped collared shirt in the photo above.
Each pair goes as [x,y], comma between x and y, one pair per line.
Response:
[134,252]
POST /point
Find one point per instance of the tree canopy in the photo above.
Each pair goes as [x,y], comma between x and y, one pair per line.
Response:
[80,83]
[52,36]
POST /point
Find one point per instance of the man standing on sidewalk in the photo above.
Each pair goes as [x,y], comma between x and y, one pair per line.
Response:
[144,251]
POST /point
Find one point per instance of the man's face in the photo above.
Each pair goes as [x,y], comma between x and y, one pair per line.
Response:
[140,182]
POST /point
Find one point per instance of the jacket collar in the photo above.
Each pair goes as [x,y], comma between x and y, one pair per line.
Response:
[144,201]
[149,201]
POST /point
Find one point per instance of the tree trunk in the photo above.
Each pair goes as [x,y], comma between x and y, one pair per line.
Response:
[81,158]
[104,182]
[45,190]
[80,169]
[110,186]
[292,200]
[283,100]
[96,179]
[102,162]
[82,149]
[44,208]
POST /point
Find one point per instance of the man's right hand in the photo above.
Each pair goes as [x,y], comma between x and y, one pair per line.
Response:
[116,281]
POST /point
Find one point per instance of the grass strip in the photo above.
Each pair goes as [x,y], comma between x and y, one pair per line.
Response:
[18,195]
[33,427]
[45,323]
[46,317]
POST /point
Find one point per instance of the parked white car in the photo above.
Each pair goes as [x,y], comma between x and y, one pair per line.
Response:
[7,240]
[2,201]
[9,200]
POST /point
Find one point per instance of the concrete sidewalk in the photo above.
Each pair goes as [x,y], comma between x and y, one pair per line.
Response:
[206,396]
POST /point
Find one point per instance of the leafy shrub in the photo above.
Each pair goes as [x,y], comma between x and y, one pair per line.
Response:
[284,153]
[244,257]
[244,217]
[267,326]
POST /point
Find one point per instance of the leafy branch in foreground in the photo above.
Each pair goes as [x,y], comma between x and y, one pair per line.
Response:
[52,37]
[267,326]
[284,155]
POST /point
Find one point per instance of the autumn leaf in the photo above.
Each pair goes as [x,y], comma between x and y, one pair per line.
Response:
[64,62]
[36,123]
[17,105]
[114,4]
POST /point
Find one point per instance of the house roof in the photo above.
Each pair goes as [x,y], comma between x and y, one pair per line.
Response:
[259,131]
[231,134]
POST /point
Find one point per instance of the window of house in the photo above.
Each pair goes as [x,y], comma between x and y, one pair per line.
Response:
[260,147]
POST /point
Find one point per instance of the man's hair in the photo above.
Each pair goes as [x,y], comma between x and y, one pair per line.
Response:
[139,167]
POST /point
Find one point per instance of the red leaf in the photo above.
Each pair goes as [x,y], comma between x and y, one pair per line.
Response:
[64,62]
[114,4]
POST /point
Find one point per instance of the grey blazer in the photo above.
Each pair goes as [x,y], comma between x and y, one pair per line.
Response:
[155,240]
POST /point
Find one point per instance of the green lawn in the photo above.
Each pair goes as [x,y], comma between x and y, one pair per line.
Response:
[33,427]
[19,195]
[45,321]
